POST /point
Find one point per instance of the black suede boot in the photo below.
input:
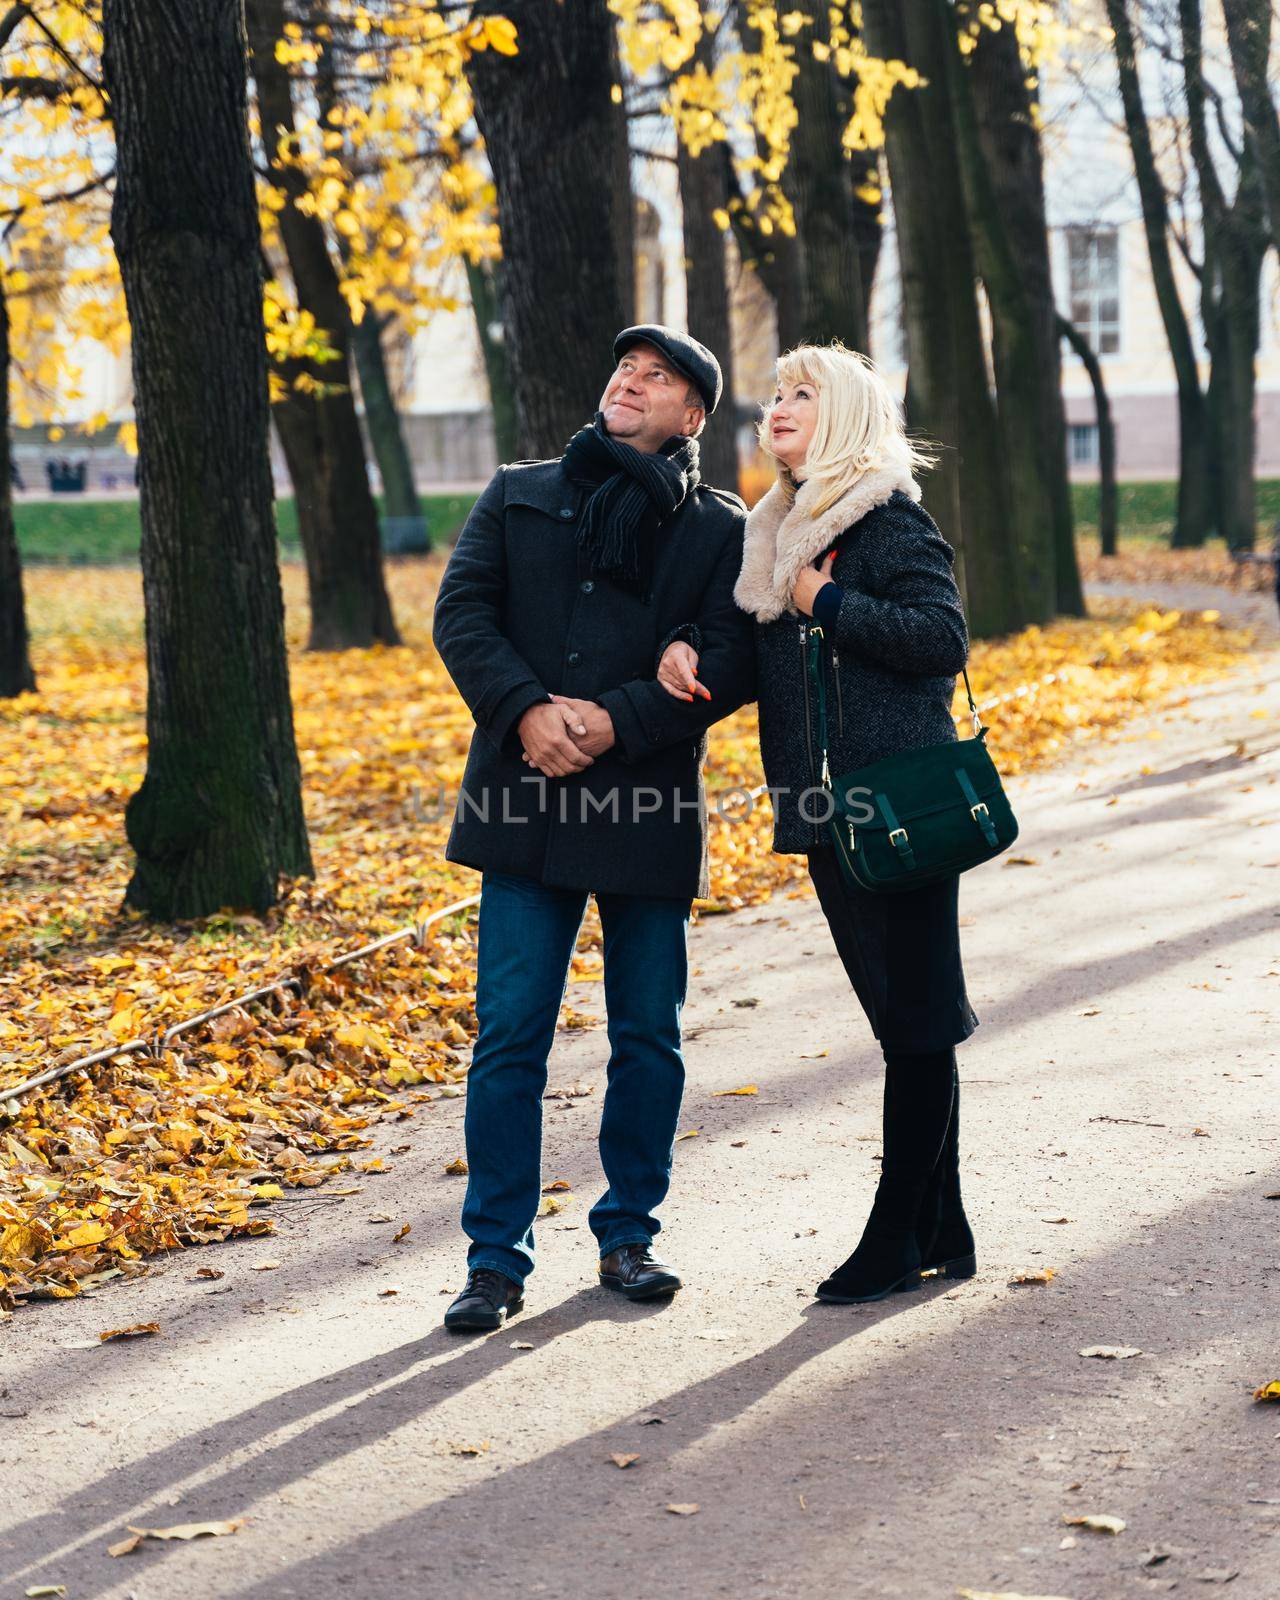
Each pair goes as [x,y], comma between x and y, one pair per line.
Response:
[918,1091]
[943,1233]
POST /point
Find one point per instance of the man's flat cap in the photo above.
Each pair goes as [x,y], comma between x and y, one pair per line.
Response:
[694,360]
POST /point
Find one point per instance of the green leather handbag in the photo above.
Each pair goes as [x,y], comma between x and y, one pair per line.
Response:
[911,819]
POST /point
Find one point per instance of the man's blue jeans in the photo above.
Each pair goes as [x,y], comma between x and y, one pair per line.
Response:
[527,937]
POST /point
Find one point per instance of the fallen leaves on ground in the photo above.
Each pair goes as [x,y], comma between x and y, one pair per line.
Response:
[1141,563]
[146,1154]
[683,1510]
[1034,1275]
[1268,1391]
[139,1330]
[1097,1522]
[1003,1594]
[747,1088]
[620,1459]
[183,1530]
[1111,1352]
[578,1021]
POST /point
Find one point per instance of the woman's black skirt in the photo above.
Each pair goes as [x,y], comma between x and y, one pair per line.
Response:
[902,954]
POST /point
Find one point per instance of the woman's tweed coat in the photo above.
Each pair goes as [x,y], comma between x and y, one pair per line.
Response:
[893,653]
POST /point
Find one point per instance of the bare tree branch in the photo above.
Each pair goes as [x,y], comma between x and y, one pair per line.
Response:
[10,22]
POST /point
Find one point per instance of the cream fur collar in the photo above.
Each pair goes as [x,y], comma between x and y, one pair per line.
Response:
[782,540]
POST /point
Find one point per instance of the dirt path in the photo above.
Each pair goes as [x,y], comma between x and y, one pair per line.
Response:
[1123,1079]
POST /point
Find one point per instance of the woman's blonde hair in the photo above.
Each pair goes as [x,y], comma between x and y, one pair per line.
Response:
[859,426]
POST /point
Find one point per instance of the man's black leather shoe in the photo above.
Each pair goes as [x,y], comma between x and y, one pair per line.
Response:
[635,1271]
[485,1303]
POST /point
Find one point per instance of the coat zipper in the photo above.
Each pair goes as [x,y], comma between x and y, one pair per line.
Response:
[808,725]
[835,673]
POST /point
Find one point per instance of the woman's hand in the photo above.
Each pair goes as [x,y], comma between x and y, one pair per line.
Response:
[810,581]
[678,672]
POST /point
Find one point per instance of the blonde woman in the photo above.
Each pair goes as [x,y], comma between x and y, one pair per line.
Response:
[841,540]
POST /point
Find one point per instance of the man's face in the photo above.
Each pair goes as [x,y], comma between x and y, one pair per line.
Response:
[645,401]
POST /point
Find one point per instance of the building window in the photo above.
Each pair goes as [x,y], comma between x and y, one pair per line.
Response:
[1084,444]
[1093,264]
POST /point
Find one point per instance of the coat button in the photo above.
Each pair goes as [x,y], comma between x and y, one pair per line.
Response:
[588,586]
[575,658]
[566,512]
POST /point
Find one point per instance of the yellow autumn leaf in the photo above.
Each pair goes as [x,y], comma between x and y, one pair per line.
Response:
[1097,1522]
[84,1235]
[124,1024]
[25,1241]
[500,32]
[1003,1594]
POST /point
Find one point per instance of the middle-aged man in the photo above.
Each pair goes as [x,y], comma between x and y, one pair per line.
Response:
[585,776]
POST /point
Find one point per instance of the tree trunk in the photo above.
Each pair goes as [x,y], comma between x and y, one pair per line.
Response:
[1024,410]
[868,229]
[1235,245]
[547,122]
[382,418]
[1108,497]
[1194,514]
[624,210]
[219,815]
[1249,38]
[16,676]
[703,191]
[1234,320]
[949,398]
[318,426]
[1010,141]
[485,281]
[400,500]
[819,181]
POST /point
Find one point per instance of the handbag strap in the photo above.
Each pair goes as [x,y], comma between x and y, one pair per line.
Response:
[979,732]
[817,678]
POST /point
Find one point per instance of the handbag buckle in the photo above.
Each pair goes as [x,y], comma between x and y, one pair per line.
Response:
[974,810]
[895,833]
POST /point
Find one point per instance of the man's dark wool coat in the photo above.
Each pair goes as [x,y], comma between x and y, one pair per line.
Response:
[521,616]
